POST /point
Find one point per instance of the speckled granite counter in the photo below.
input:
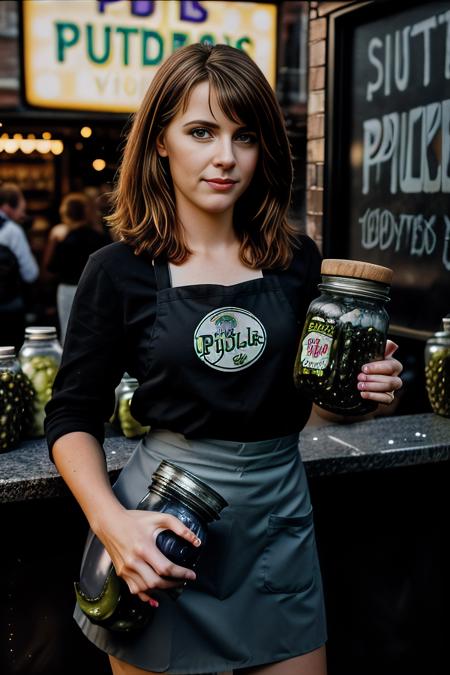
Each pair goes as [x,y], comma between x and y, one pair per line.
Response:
[27,473]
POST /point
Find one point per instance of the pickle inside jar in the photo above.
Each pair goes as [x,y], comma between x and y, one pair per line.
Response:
[41,371]
[328,363]
[437,375]
[130,427]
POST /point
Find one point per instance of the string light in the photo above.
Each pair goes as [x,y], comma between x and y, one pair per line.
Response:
[10,146]
[99,164]
[57,147]
[28,145]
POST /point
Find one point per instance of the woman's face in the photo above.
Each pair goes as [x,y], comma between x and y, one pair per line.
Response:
[212,159]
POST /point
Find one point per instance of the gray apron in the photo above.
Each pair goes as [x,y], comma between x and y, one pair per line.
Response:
[258,594]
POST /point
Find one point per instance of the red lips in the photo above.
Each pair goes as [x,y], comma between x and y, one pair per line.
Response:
[220,181]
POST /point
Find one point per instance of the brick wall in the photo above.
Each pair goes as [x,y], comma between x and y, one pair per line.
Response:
[9,54]
[315,153]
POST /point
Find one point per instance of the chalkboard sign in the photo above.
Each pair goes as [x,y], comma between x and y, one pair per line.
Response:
[388,161]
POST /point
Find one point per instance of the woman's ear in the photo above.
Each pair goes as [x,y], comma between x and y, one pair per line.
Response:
[160,145]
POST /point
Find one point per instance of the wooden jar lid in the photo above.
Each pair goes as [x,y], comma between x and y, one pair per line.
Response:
[357,270]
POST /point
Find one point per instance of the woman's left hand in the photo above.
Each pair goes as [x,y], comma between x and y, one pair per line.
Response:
[379,380]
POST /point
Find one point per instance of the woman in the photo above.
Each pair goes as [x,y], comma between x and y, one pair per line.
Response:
[70,244]
[205,248]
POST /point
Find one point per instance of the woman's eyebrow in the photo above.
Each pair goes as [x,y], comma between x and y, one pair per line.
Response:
[213,125]
[207,123]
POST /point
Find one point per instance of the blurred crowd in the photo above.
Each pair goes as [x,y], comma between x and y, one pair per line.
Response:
[41,262]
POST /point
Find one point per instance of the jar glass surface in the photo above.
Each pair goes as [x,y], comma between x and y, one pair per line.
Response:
[437,372]
[129,426]
[40,358]
[342,332]
[16,398]
[111,605]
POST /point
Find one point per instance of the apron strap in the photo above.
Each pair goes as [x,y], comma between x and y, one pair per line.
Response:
[162,274]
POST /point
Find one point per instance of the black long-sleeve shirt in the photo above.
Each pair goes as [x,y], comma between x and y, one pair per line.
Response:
[110,330]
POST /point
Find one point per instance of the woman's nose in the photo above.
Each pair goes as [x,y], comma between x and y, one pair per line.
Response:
[224,155]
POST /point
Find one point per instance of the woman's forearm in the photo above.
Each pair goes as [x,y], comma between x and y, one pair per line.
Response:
[80,461]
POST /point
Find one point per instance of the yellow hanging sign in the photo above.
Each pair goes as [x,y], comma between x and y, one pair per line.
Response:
[101,55]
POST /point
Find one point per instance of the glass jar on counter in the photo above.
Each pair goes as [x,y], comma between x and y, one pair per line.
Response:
[40,357]
[345,327]
[437,369]
[16,399]
[130,427]
[103,596]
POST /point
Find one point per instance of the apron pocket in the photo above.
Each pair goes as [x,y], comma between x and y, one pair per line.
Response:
[288,558]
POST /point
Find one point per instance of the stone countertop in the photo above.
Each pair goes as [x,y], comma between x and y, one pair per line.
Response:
[383,443]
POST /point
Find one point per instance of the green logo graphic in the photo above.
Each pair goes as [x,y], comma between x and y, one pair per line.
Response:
[229,338]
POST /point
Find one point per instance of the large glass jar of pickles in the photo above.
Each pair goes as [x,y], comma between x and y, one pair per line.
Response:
[437,369]
[16,396]
[345,327]
[129,426]
[103,596]
[40,357]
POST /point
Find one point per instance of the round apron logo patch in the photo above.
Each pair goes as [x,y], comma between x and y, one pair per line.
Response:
[229,338]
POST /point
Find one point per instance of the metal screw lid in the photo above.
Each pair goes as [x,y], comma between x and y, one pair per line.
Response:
[183,485]
[40,333]
[7,352]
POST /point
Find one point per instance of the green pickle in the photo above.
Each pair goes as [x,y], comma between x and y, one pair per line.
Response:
[106,610]
[437,370]
[345,327]
[40,357]
[129,426]
[41,372]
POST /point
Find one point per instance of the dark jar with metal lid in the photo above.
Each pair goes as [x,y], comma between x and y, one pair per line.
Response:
[345,327]
[437,369]
[16,400]
[103,596]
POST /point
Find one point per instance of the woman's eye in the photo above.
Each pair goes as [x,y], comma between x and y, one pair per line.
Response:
[200,133]
[246,138]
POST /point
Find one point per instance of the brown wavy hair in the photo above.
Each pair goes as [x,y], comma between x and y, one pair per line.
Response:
[144,211]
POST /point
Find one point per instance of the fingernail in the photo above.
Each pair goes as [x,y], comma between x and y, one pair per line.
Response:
[153,603]
[191,576]
[361,385]
[365,369]
[197,542]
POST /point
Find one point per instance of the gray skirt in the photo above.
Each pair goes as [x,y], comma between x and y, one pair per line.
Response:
[258,594]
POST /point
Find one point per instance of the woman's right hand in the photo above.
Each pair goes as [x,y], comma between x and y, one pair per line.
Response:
[130,540]
[128,536]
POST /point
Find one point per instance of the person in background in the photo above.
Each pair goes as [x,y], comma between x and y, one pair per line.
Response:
[70,244]
[17,265]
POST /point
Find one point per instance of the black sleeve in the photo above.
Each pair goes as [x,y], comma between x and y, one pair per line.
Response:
[93,359]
